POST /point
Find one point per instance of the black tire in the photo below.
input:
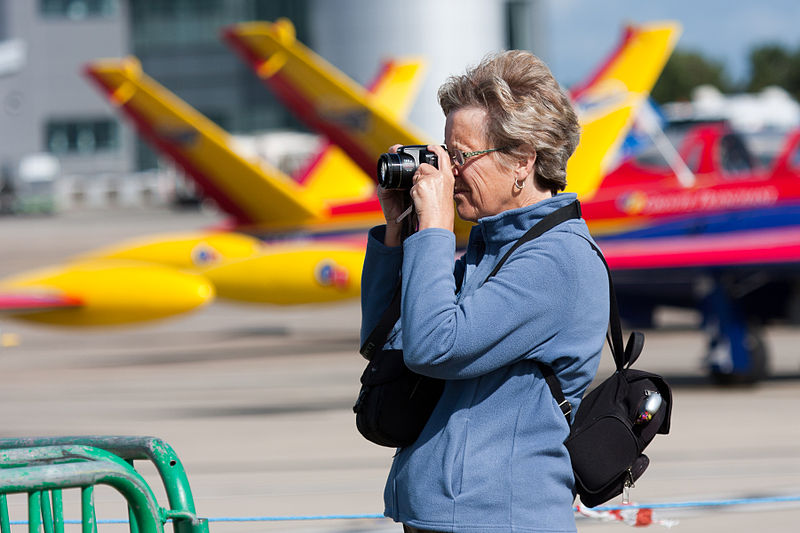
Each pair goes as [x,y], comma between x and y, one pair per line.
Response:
[759,360]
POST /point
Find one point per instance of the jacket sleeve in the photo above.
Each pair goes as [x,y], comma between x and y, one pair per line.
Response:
[379,278]
[511,317]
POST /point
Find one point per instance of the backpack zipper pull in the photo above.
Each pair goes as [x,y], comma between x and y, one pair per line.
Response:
[626,488]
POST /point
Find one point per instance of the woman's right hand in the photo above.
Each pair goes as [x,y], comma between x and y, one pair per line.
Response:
[393,203]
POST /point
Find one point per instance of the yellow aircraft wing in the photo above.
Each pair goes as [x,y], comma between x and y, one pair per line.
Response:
[102,293]
[608,102]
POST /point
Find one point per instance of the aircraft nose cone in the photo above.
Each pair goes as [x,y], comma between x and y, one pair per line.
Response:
[116,292]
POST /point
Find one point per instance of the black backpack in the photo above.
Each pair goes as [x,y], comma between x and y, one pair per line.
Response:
[620,417]
[613,426]
[617,419]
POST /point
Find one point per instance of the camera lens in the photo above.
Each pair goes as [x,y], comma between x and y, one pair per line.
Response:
[395,171]
[383,169]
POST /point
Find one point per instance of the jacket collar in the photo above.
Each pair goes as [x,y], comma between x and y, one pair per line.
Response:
[512,224]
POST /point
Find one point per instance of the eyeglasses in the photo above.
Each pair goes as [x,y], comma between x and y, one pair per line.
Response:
[459,158]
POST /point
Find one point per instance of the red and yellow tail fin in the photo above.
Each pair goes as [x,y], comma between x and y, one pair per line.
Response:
[253,192]
[322,96]
[397,86]
[333,177]
[608,102]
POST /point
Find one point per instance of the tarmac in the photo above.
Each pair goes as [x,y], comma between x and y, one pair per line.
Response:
[257,403]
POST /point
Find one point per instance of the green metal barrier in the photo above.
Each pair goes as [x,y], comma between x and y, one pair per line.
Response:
[32,464]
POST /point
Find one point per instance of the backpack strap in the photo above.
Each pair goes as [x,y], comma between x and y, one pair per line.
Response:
[555,389]
[555,218]
[552,220]
[624,355]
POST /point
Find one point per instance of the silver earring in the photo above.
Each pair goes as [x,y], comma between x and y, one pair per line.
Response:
[517,184]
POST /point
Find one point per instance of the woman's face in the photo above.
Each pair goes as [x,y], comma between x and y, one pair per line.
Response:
[482,187]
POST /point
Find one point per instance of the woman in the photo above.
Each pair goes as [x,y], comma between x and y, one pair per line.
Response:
[491,457]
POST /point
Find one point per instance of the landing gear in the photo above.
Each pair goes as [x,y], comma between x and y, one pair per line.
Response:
[737,353]
[752,355]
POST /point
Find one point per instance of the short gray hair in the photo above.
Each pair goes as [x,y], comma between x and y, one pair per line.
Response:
[528,111]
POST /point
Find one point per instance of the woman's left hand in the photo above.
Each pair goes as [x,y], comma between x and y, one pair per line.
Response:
[433,192]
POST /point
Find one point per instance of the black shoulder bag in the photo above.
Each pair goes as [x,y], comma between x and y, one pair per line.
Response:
[394,403]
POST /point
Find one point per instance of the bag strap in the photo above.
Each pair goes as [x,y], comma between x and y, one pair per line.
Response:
[380,333]
[552,220]
[623,357]
[614,335]
[555,218]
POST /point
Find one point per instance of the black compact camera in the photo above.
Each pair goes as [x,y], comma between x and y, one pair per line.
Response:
[395,171]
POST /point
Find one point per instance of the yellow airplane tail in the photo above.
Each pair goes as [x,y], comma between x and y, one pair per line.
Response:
[363,127]
[253,192]
[362,124]
[396,87]
[608,102]
[331,176]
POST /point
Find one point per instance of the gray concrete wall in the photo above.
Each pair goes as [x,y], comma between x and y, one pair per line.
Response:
[3,20]
[355,35]
[51,85]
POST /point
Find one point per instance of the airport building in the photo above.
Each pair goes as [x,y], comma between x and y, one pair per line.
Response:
[53,120]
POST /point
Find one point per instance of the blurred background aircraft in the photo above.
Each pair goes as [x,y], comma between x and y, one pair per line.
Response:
[718,235]
[89,160]
[313,226]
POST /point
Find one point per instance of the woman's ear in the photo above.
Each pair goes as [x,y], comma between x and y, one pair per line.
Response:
[525,167]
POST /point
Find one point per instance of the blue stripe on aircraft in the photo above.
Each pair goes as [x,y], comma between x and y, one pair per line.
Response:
[730,221]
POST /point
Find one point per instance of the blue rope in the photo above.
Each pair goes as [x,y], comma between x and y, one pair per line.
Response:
[674,505]
[718,503]
[288,518]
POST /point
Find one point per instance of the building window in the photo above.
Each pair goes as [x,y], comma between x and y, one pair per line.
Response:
[81,136]
[526,25]
[77,9]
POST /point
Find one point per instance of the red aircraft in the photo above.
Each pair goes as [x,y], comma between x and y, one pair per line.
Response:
[720,235]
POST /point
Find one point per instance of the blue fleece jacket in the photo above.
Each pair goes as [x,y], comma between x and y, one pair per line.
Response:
[491,458]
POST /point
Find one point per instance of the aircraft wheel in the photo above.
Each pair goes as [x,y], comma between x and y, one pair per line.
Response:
[758,355]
